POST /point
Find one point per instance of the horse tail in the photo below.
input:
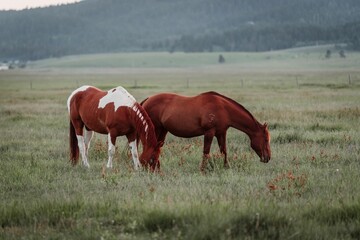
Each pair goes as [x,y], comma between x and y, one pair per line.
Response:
[74,148]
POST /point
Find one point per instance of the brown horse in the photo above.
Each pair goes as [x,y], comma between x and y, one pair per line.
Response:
[209,114]
[115,113]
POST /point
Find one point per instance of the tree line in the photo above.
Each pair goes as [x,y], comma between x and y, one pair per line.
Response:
[97,26]
[266,38]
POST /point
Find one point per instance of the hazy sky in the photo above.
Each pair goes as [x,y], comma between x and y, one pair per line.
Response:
[21,4]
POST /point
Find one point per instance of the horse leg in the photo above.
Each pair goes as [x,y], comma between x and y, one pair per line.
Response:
[87,138]
[208,137]
[221,138]
[134,152]
[82,149]
[160,135]
[79,127]
[135,155]
[111,149]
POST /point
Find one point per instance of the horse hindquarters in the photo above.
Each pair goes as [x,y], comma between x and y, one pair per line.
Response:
[74,148]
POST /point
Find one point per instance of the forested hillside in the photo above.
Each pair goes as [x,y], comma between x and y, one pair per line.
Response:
[93,26]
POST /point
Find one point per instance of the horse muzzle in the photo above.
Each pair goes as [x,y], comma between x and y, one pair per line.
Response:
[154,164]
[265,159]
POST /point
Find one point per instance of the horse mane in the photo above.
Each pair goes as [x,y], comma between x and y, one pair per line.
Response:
[143,101]
[149,135]
[233,102]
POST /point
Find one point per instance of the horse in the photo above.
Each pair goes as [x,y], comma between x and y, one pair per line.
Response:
[115,113]
[209,114]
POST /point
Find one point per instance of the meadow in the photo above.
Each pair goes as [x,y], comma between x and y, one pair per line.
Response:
[309,190]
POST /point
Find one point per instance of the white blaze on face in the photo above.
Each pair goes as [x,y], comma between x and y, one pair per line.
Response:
[80,89]
[119,96]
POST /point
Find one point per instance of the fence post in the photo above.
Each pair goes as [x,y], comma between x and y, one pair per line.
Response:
[297,81]
[349,79]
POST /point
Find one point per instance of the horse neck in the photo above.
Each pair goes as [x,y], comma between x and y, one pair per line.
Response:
[144,126]
[242,119]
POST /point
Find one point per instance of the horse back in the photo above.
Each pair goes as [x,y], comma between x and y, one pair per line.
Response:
[184,116]
[162,103]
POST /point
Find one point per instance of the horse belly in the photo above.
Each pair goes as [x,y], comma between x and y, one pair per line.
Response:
[185,128]
[185,133]
[96,126]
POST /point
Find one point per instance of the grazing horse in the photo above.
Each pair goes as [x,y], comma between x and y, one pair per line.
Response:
[209,114]
[115,113]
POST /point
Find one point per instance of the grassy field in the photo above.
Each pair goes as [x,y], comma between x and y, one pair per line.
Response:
[309,190]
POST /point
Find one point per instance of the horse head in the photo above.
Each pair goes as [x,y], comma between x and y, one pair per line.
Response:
[150,156]
[260,143]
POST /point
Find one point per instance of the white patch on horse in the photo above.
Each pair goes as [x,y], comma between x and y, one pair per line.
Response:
[80,89]
[111,152]
[82,149]
[146,128]
[119,96]
[135,155]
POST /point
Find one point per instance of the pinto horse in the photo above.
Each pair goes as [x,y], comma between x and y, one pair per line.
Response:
[115,113]
[209,114]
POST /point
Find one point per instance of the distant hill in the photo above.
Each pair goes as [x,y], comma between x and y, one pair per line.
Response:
[95,26]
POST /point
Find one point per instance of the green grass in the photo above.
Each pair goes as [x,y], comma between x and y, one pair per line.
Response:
[309,189]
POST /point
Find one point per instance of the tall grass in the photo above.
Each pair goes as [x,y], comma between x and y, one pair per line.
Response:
[309,189]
